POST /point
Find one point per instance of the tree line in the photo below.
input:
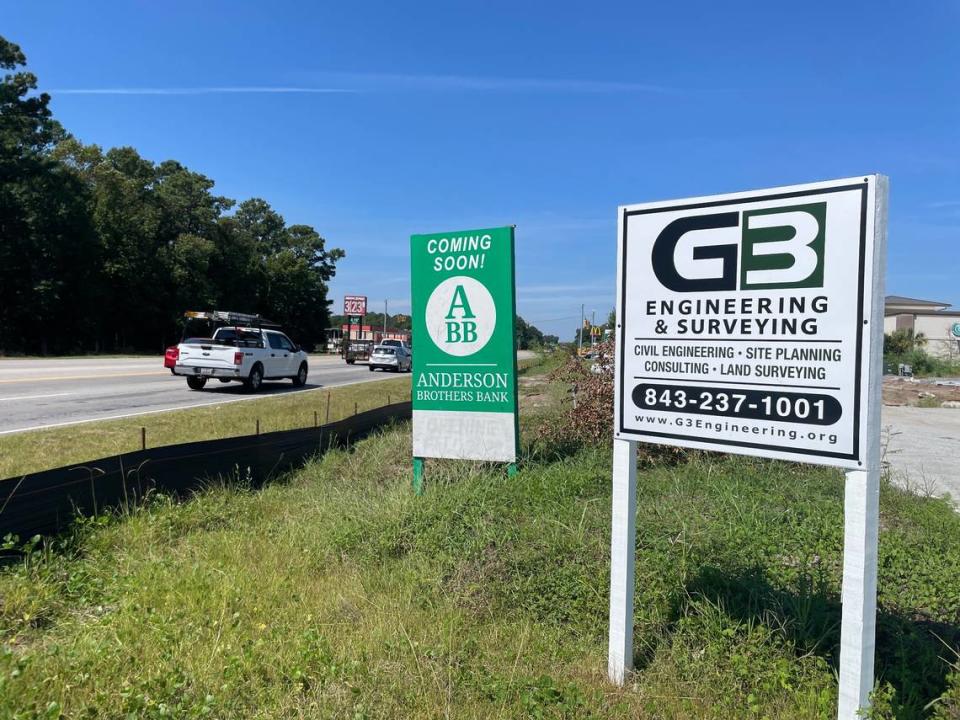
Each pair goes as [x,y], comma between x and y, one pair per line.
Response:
[104,250]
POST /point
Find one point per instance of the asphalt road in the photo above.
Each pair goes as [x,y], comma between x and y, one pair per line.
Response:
[43,393]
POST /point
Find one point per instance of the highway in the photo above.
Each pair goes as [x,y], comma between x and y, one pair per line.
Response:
[40,393]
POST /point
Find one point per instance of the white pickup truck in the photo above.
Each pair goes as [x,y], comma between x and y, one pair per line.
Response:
[245,354]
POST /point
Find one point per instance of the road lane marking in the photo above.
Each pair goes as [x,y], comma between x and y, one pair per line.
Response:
[375,378]
[34,397]
[42,378]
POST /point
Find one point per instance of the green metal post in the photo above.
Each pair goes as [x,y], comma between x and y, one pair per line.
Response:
[512,469]
[418,476]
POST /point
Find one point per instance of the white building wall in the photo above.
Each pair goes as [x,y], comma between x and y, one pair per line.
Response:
[940,342]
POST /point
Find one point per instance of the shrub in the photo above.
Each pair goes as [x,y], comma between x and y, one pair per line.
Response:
[902,341]
[586,414]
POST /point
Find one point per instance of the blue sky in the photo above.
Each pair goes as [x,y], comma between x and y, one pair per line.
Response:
[375,120]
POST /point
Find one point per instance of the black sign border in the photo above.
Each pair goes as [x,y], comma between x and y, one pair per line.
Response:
[855,455]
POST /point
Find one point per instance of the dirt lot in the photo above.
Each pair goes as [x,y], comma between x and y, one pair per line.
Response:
[918,393]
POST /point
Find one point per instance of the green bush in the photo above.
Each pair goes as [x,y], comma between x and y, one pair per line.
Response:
[923,364]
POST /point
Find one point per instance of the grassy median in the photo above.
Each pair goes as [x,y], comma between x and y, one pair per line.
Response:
[35,450]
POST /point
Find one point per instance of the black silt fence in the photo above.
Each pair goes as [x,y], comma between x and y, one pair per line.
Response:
[44,503]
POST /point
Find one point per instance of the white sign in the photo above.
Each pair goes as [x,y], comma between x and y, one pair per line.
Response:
[744,322]
[453,299]
[752,323]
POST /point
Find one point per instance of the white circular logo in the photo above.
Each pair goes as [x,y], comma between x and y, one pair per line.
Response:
[461,316]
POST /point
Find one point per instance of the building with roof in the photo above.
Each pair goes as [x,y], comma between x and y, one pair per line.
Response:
[369,333]
[935,320]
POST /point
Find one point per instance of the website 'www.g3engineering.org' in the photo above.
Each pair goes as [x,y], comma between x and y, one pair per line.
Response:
[726,427]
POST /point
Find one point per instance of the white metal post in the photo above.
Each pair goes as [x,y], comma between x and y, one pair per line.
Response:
[622,558]
[861,505]
[861,509]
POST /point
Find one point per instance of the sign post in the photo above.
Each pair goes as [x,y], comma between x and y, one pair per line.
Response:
[752,323]
[354,307]
[465,367]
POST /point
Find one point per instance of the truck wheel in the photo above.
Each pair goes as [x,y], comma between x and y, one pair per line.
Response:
[371,368]
[255,380]
[350,362]
[301,377]
[196,383]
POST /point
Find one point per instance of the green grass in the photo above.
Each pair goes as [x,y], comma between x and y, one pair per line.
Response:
[36,450]
[339,594]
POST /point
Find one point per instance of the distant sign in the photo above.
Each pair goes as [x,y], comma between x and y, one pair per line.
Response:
[744,322]
[955,329]
[355,305]
[464,369]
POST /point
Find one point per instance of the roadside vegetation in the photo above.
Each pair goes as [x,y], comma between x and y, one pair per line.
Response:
[337,593]
[36,450]
[903,346]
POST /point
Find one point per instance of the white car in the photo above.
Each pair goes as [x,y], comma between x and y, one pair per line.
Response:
[397,343]
[389,357]
[243,354]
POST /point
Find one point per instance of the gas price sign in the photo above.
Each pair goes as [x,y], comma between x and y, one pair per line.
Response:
[743,321]
[355,305]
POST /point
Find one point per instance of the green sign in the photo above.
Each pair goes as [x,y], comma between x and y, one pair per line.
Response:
[955,329]
[464,367]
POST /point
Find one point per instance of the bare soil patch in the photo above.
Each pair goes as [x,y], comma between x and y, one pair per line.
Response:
[917,393]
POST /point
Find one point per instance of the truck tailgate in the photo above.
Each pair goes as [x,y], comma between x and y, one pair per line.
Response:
[207,355]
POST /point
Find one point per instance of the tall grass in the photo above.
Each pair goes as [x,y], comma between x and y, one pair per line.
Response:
[340,594]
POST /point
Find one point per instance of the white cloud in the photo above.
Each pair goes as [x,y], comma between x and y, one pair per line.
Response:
[387,82]
[252,89]
[394,81]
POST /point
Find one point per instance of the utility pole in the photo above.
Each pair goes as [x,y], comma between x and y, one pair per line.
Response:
[384,319]
[593,322]
[580,332]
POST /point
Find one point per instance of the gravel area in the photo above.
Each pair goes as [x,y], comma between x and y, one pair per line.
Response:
[922,448]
